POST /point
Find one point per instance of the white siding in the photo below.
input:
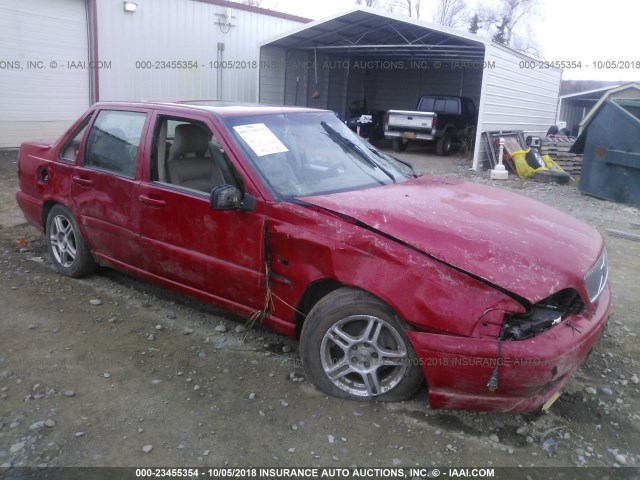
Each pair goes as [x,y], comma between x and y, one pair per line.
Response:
[515,98]
[166,30]
[37,100]
[272,72]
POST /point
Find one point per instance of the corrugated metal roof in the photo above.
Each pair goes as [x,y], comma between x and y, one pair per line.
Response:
[372,33]
[594,94]
[602,99]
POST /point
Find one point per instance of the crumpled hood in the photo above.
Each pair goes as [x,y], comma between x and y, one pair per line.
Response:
[516,243]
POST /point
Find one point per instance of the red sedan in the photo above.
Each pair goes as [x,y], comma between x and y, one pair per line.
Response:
[284,216]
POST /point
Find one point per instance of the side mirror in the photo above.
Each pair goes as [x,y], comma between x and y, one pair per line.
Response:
[229,197]
[225,197]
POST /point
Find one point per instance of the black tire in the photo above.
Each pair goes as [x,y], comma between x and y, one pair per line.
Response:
[551,176]
[368,333]
[67,248]
[399,145]
[443,145]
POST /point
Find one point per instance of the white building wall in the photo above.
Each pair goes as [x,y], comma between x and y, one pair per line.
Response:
[182,31]
[272,76]
[515,97]
[41,92]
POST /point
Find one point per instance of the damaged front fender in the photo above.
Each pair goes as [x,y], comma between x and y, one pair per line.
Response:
[458,370]
[309,244]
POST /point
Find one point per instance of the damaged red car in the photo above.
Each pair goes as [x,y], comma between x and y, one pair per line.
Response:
[285,216]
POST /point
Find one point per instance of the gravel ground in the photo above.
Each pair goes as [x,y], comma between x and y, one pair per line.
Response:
[112,371]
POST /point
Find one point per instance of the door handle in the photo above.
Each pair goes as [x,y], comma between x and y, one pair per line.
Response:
[154,202]
[85,182]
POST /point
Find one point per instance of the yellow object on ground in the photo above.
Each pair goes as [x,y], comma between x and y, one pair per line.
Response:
[525,170]
[551,165]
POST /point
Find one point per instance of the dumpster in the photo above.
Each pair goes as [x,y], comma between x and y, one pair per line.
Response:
[611,147]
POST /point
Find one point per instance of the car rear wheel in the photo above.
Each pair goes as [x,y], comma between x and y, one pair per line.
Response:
[66,246]
[353,346]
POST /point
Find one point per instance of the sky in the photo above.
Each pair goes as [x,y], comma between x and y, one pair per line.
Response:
[598,35]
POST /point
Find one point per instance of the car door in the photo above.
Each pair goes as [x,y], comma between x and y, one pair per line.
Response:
[220,253]
[105,183]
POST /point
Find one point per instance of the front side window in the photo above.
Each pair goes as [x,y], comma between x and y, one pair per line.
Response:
[114,140]
[186,154]
[312,153]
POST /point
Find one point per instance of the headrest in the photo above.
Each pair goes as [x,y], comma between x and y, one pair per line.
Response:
[189,138]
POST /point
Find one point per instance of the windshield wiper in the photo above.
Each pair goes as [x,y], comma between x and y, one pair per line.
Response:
[387,158]
[346,143]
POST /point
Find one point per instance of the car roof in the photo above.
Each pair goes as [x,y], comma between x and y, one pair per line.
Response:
[218,107]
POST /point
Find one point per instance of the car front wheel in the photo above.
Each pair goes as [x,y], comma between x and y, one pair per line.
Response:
[354,347]
[66,246]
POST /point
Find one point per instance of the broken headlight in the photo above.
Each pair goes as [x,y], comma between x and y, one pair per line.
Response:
[541,316]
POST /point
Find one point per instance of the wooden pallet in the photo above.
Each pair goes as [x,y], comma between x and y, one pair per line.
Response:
[573,166]
[558,149]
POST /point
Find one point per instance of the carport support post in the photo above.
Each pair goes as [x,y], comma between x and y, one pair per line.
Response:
[499,172]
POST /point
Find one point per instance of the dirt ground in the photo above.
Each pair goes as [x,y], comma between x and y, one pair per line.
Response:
[112,371]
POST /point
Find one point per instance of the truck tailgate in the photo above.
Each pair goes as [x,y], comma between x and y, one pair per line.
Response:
[402,119]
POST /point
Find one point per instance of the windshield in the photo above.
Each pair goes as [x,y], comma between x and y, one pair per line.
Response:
[312,153]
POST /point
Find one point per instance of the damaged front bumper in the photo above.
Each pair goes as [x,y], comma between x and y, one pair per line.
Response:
[457,369]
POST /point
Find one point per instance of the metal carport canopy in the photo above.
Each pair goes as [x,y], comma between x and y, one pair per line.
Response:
[372,34]
[512,93]
[362,33]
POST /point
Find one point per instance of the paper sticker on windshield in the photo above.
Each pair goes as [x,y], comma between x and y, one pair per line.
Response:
[260,139]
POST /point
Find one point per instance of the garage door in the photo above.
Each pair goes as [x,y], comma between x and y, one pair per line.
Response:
[44,76]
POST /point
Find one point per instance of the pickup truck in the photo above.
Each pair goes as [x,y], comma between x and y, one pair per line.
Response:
[437,118]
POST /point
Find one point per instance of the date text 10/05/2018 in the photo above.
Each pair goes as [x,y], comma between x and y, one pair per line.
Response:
[312,472]
[577,64]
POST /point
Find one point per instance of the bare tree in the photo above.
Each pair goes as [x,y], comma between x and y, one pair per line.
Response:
[410,8]
[475,23]
[451,13]
[489,19]
[501,31]
[505,24]
[368,3]
[515,11]
[526,44]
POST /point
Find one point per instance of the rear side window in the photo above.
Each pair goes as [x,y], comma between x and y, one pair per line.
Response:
[426,104]
[439,105]
[69,152]
[452,105]
[114,140]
